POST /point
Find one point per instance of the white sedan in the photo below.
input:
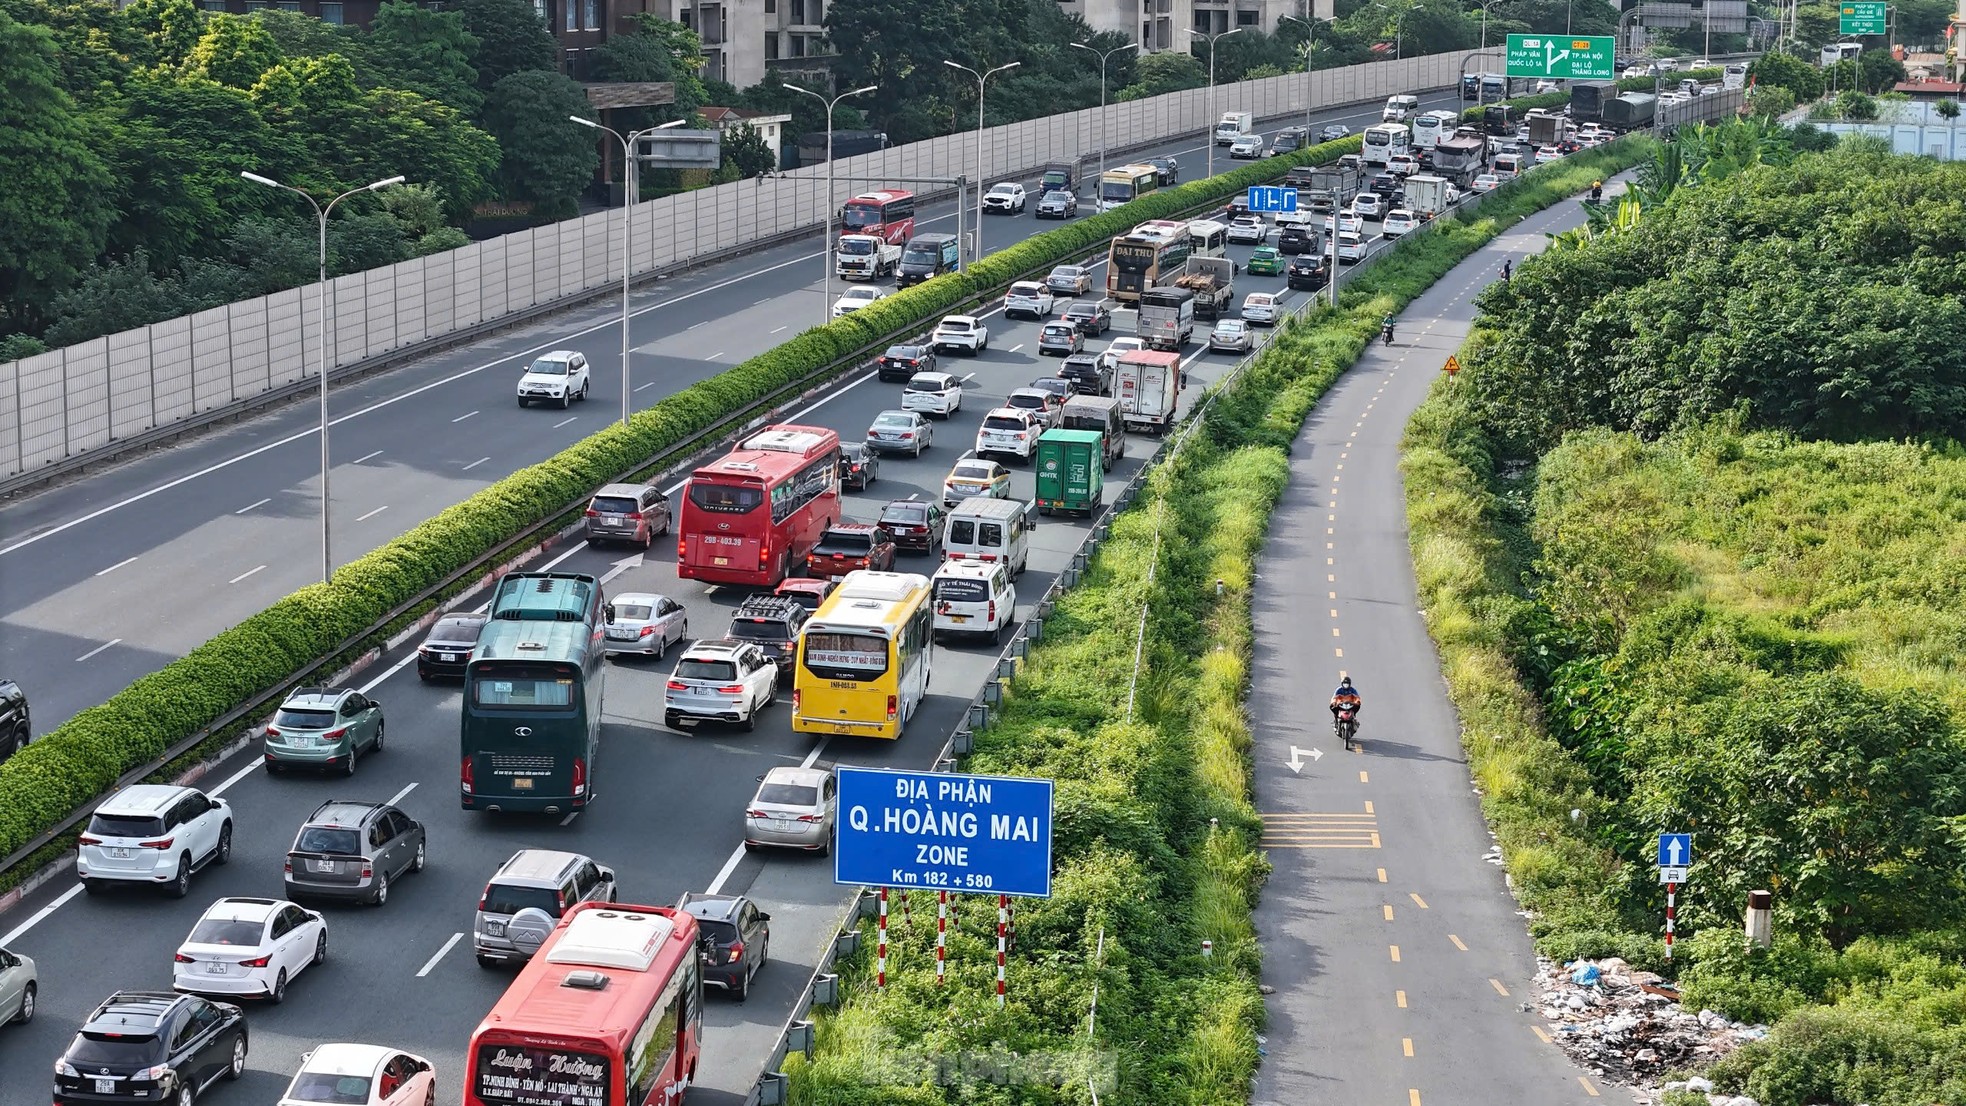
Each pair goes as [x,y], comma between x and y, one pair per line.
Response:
[1548,154]
[251,947]
[1399,221]
[856,298]
[1261,307]
[361,1075]
[1248,146]
[1341,222]
[1487,182]
[933,394]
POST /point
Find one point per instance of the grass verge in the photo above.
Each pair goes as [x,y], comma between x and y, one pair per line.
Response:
[1154,833]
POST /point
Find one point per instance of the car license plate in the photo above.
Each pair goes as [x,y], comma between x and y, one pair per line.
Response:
[620,635]
[494,929]
[322,866]
[781,824]
[720,561]
[959,618]
[522,784]
[119,854]
[215,969]
[617,522]
[105,1086]
[301,742]
[448,658]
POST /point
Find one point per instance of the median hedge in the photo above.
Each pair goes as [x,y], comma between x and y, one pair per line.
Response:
[84,756]
[1154,838]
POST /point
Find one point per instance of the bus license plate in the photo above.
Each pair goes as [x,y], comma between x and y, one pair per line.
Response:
[842,727]
[720,561]
[522,784]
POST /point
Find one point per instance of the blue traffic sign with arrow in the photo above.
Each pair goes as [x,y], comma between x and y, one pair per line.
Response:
[1675,850]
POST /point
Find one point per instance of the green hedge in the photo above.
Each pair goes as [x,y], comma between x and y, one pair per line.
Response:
[84,756]
[1154,830]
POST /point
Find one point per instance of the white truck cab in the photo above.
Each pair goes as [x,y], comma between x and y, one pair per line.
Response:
[1233,125]
[865,257]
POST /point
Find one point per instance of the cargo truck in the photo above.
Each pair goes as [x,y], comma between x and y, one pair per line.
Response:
[1167,317]
[1426,196]
[1549,130]
[1071,470]
[865,257]
[1058,176]
[1148,385]
[1460,159]
[1630,112]
[1212,280]
[1329,188]
[1587,100]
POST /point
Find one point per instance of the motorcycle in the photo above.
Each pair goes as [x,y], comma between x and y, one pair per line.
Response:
[1386,332]
[1345,724]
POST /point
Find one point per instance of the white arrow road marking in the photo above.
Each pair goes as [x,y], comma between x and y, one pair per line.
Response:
[623,565]
[1297,757]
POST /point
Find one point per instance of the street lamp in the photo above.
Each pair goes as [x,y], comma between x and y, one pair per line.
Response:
[1310,26]
[1103,55]
[827,243]
[321,216]
[629,188]
[1481,86]
[1211,84]
[982,80]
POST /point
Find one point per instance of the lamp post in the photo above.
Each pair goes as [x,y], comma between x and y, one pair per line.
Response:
[629,188]
[1103,55]
[1481,86]
[321,217]
[826,246]
[982,81]
[1399,35]
[1310,26]
[1210,135]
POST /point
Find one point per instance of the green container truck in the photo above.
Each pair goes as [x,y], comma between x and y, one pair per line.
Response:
[1071,471]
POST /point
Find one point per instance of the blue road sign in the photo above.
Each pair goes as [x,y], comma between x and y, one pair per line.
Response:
[1675,850]
[945,832]
[1266,197]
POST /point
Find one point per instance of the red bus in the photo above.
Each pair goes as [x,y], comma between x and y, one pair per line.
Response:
[608,1012]
[889,213]
[753,515]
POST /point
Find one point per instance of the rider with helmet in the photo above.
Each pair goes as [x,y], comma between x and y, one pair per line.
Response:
[1346,696]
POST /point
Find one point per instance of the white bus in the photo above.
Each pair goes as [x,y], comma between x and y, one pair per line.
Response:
[1430,127]
[1384,142]
[1841,51]
[1207,238]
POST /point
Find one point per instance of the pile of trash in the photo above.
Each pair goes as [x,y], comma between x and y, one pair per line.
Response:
[1627,1026]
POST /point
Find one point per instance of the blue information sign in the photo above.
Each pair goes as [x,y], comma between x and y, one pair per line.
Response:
[1269,197]
[1675,850]
[946,832]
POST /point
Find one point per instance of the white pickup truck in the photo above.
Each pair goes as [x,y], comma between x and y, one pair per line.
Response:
[865,257]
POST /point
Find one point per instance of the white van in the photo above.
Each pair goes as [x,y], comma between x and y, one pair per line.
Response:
[1234,125]
[1399,109]
[992,531]
[972,597]
[1208,238]
[1507,166]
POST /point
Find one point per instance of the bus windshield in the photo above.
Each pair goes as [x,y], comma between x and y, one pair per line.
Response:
[1377,138]
[845,656]
[1116,191]
[727,499]
[861,216]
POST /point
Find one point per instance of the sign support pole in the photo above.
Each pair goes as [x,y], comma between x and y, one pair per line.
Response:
[1003,936]
[1671,888]
[941,936]
[880,952]
[907,913]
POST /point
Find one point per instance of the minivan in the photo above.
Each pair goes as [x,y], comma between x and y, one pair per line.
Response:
[633,513]
[546,879]
[1099,413]
[972,597]
[1400,108]
[1507,166]
[990,530]
[927,256]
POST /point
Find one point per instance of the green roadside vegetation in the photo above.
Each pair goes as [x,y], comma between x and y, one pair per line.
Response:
[1688,534]
[1155,834]
[85,755]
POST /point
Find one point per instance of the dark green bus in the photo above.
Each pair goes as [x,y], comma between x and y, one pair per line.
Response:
[532,696]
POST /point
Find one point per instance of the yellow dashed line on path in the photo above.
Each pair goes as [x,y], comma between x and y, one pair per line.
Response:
[1400,998]
[1457,942]
[1412,1096]
[1382,875]
[1406,1046]
[1368,810]
[1538,1031]
[1499,989]
[1339,652]
[1417,900]
[1588,1089]
[1395,949]
[1388,908]
[1362,778]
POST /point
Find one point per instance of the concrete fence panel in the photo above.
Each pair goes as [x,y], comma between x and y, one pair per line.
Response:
[86,383]
[130,393]
[251,370]
[211,356]
[170,358]
[42,404]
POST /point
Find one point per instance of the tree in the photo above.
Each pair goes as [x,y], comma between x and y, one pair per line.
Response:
[547,160]
[1167,71]
[298,35]
[117,296]
[900,45]
[359,240]
[418,207]
[276,253]
[234,50]
[510,39]
[1771,101]
[55,203]
[14,347]
[1878,71]
[745,151]
[1802,80]
[170,27]
[390,132]
[425,51]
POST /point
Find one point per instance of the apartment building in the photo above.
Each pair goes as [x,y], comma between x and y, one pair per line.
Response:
[742,37]
[1164,24]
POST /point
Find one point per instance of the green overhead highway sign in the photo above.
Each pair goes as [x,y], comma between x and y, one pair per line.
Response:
[1563,57]
[1862,18]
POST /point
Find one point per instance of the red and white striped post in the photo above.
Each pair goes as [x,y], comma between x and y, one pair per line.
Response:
[941,935]
[1003,937]
[880,949]
[1670,889]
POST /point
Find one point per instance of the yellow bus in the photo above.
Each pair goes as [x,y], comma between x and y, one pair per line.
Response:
[863,659]
[1155,253]
[1126,184]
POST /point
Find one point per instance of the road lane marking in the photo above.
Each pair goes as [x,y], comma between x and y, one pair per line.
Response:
[1362,778]
[1538,1031]
[642,387]
[1412,1096]
[1406,1046]
[475,464]
[1319,831]
[464,416]
[718,354]
[41,915]
[1388,908]
[98,649]
[1395,950]
[1417,900]
[568,820]
[114,567]
[563,422]
[373,513]
[1588,1089]
[777,329]
[1368,808]
[1339,652]
[1457,942]
[737,854]
[432,962]
[400,795]
[249,768]
[366,457]
[248,572]
[1400,998]
[1382,875]
[250,506]
[1499,989]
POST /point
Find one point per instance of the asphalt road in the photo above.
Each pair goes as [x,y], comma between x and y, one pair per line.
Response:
[110,576]
[1396,953]
[667,816]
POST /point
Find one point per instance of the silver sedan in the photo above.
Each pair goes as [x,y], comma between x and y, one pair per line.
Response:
[645,624]
[794,808]
[1232,335]
[16,987]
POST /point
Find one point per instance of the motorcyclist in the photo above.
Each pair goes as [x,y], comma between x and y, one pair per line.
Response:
[1346,696]
[1386,329]
[1597,191]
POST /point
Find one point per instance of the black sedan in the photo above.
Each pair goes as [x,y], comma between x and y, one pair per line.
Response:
[1166,168]
[1305,273]
[859,466]
[448,648]
[1333,132]
[1092,319]
[1058,204]
[902,362]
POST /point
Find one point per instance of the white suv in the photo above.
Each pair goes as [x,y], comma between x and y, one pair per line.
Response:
[963,332]
[933,394]
[558,377]
[720,681]
[1027,297]
[973,597]
[156,834]
[1006,198]
[1010,432]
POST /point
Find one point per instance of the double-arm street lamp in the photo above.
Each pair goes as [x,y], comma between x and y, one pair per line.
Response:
[1209,134]
[629,188]
[1103,55]
[321,217]
[826,209]
[1310,37]
[982,81]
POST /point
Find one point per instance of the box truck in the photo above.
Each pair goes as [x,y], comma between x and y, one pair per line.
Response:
[1148,386]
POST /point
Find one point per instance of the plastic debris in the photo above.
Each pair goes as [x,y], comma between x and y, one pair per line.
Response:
[1627,1027]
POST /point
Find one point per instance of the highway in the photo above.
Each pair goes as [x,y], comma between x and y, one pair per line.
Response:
[1397,955]
[667,816]
[111,575]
